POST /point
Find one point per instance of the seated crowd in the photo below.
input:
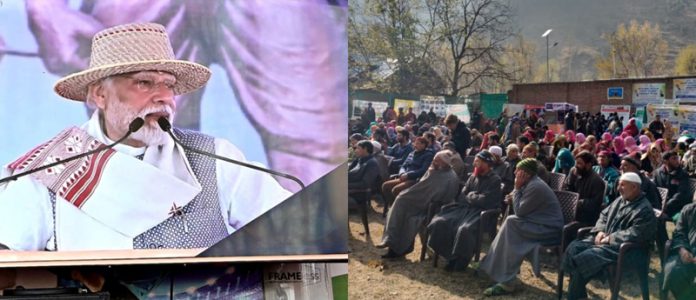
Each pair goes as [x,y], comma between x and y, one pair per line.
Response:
[629,183]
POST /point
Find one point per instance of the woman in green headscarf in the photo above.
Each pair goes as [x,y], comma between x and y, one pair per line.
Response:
[564,161]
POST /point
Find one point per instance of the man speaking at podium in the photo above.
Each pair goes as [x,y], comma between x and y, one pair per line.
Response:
[146,191]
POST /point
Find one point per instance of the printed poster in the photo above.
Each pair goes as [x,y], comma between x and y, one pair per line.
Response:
[437,103]
[668,112]
[687,116]
[360,105]
[623,111]
[406,104]
[461,111]
[684,89]
[648,93]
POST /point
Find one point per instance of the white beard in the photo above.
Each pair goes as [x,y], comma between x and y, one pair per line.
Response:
[150,134]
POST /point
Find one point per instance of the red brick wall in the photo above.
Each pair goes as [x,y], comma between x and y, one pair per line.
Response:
[589,95]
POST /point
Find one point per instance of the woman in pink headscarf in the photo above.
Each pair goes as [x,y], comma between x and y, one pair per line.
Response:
[662,145]
[630,144]
[619,147]
[570,136]
[549,137]
[579,140]
[631,128]
[644,143]
[605,142]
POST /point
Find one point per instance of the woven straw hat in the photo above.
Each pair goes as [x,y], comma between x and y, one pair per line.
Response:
[132,48]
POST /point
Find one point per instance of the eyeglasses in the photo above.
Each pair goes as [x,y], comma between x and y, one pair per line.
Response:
[149,85]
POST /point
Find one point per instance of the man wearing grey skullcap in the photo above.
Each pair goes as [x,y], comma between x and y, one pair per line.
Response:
[454,229]
[538,219]
[410,208]
[629,218]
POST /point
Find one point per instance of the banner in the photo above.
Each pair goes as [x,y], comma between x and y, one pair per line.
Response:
[622,110]
[406,104]
[667,112]
[684,90]
[640,116]
[510,109]
[437,103]
[461,111]
[648,93]
[560,106]
[360,105]
[687,119]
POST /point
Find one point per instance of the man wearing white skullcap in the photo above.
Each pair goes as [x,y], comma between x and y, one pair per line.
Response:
[630,218]
[496,150]
[376,147]
[503,169]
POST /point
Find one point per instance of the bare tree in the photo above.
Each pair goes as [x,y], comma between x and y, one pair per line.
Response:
[473,33]
[634,51]
[390,40]
[685,64]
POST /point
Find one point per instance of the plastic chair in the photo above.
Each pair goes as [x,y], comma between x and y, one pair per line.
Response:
[663,292]
[433,209]
[363,197]
[487,223]
[556,181]
[616,271]
[569,206]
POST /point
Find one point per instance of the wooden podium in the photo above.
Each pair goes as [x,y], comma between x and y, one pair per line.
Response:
[16,259]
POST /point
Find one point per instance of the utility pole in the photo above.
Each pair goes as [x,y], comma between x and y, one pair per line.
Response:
[546,35]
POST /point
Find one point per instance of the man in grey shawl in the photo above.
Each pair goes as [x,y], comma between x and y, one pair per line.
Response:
[410,208]
[453,231]
[538,219]
[629,218]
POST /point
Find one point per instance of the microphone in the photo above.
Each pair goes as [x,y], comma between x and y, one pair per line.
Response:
[134,126]
[167,127]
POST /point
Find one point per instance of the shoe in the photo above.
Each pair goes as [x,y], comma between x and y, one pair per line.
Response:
[392,255]
[450,266]
[498,289]
[381,245]
[454,266]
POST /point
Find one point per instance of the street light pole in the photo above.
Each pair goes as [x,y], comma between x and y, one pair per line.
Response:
[548,74]
[546,35]
[613,62]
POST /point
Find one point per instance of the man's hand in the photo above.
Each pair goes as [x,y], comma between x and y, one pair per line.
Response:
[521,179]
[508,199]
[686,256]
[403,177]
[599,238]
